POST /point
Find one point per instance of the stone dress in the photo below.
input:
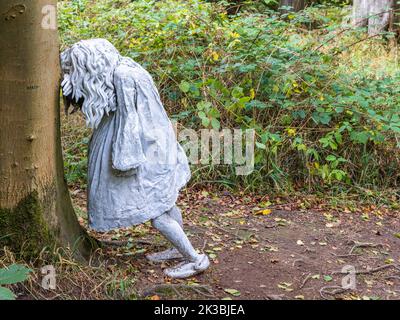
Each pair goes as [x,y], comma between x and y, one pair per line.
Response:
[136,167]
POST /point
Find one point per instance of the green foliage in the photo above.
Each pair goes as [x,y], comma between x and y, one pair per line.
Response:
[13,274]
[75,139]
[324,103]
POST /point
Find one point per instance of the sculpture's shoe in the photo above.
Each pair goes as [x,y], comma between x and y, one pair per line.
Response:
[169,254]
[188,269]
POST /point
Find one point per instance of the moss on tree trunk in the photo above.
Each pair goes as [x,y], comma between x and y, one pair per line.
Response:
[25,229]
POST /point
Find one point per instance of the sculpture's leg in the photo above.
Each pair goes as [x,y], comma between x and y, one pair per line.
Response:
[176,214]
[171,253]
[195,263]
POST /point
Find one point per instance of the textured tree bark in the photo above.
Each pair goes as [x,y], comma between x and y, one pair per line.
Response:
[360,12]
[297,5]
[35,207]
[374,14]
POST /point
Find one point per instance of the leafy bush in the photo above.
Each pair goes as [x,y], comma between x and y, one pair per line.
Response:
[324,102]
[14,274]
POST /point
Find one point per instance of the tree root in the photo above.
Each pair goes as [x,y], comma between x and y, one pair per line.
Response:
[369,271]
[356,246]
[122,243]
[205,291]
[335,290]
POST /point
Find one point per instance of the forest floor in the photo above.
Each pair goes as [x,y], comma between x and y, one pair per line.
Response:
[268,249]
[296,247]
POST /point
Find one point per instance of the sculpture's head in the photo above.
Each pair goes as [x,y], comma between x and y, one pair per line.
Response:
[90,66]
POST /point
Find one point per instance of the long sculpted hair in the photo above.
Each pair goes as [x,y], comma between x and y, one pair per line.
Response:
[90,65]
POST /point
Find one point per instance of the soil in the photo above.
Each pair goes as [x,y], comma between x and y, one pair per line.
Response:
[265,251]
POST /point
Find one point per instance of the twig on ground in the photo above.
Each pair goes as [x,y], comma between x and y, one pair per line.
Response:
[228,231]
[392,277]
[364,245]
[346,255]
[305,281]
[204,245]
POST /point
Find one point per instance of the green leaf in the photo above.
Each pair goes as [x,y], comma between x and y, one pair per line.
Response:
[361,137]
[184,86]
[202,115]
[215,124]
[14,274]
[328,278]
[237,92]
[261,146]
[6,294]
[205,122]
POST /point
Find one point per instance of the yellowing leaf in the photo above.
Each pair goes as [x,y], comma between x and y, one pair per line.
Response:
[264,212]
[291,132]
[215,56]
[285,286]
[233,292]
[252,93]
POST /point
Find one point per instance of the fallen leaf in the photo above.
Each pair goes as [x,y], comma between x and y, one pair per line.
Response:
[264,212]
[328,278]
[285,286]
[233,292]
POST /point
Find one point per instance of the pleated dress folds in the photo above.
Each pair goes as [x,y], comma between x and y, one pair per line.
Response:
[136,166]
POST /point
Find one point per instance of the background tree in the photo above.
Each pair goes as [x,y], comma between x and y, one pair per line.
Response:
[376,15]
[297,5]
[35,207]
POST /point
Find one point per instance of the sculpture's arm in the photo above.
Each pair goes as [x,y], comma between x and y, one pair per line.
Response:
[127,152]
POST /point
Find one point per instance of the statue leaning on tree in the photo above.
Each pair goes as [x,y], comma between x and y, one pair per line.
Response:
[136,167]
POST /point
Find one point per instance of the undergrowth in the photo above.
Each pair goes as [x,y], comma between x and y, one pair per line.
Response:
[322,97]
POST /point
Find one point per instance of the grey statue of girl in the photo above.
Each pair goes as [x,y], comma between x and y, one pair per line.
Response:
[136,167]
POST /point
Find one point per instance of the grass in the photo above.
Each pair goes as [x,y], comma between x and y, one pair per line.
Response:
[101,279]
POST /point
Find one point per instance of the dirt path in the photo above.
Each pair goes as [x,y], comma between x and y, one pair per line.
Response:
[272,252]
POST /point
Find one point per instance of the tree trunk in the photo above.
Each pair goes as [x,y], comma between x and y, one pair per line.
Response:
[35,207]
[360,13]
[374,14]
[296,5]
